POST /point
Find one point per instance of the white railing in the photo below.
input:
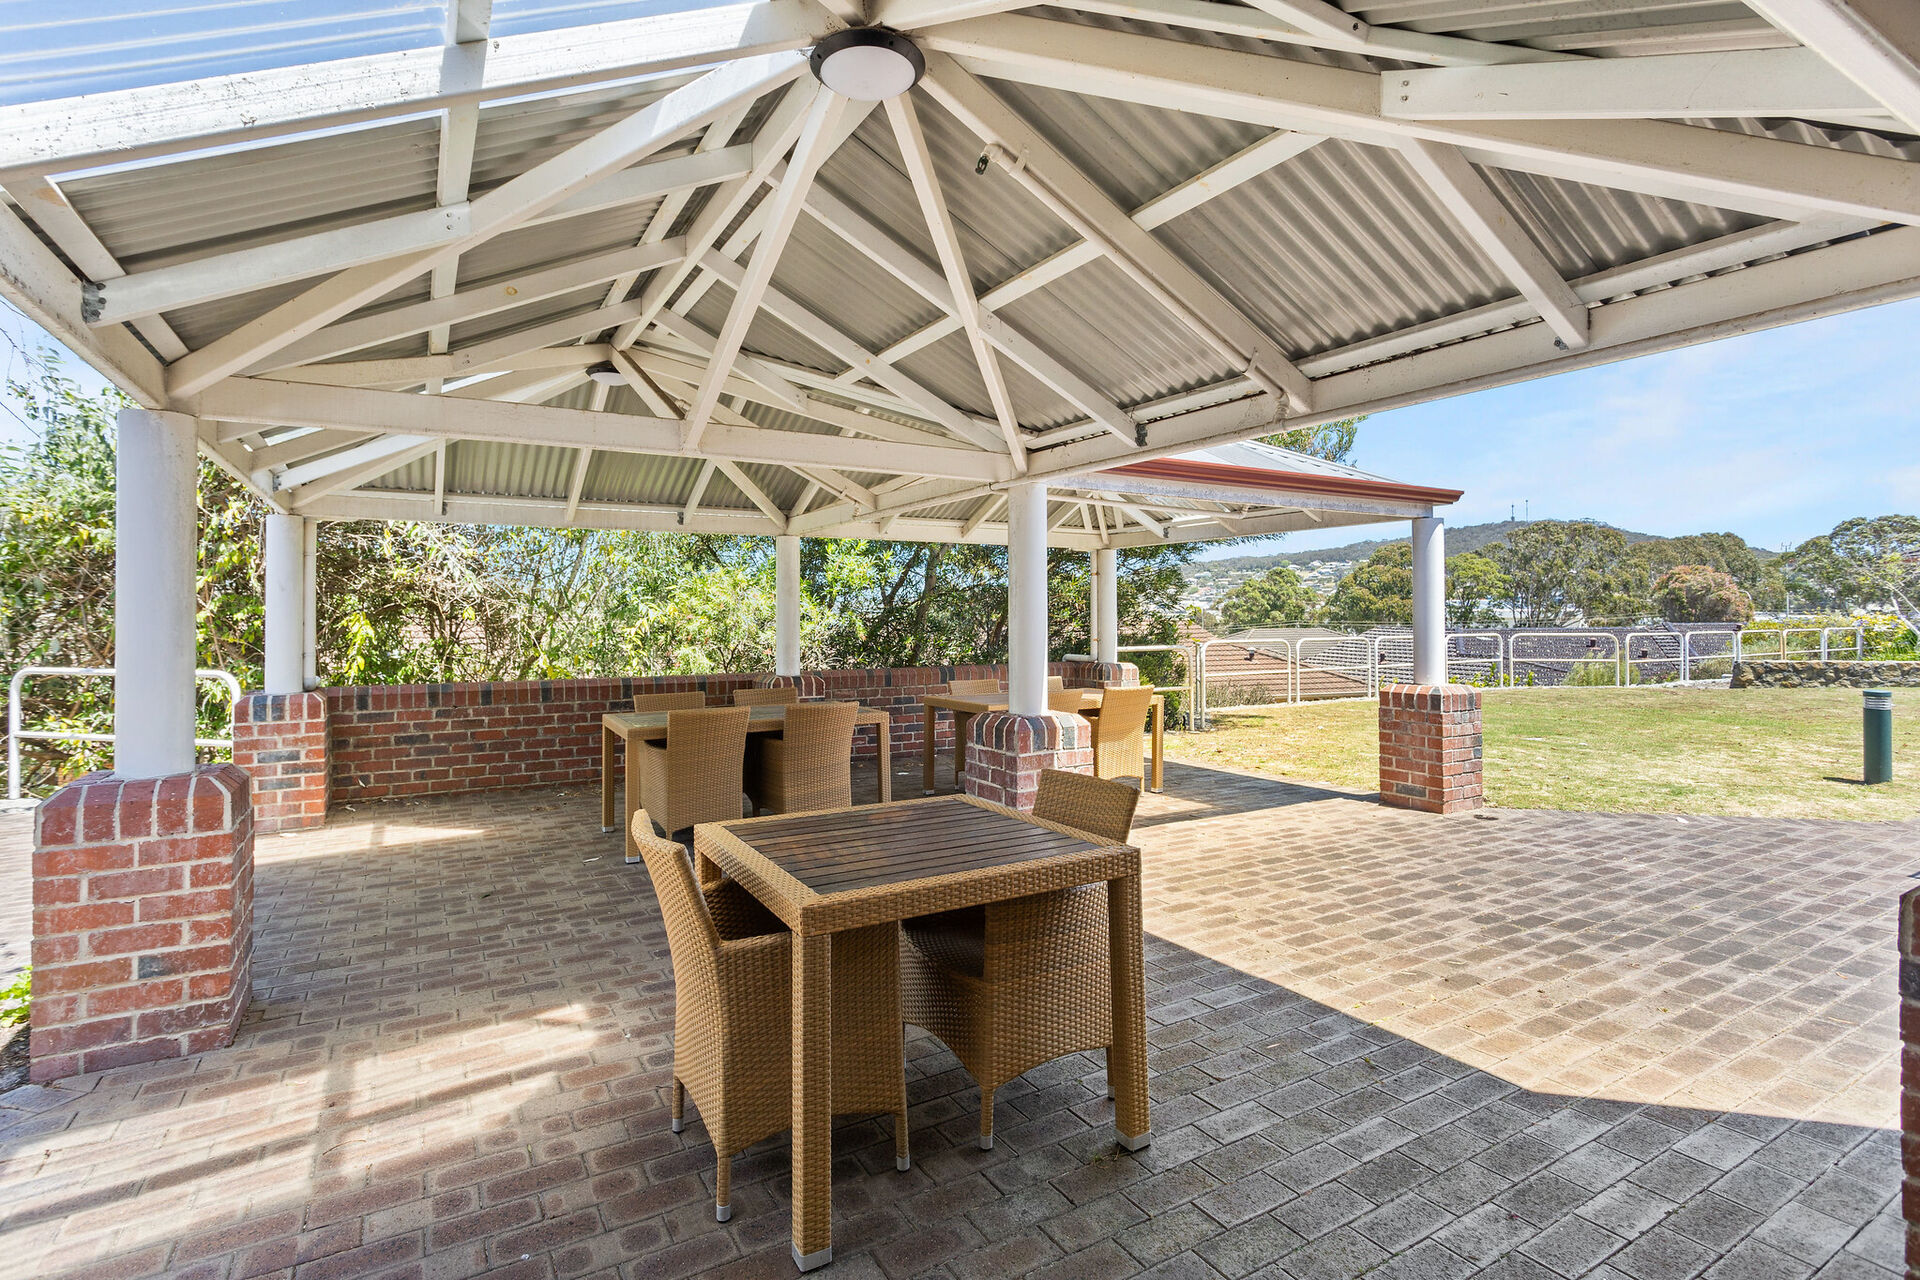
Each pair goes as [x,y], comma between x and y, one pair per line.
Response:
[16,734]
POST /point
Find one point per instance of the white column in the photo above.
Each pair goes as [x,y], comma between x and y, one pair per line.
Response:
[1429,600]
[154,599]
[1106,605]
[786,605]
[310,606]
[283,541]
[1027,599]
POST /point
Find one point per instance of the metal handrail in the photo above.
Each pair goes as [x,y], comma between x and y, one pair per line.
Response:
[1514,659]
[1281,649]
[16,734]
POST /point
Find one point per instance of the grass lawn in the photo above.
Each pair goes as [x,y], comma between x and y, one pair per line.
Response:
[1771,752]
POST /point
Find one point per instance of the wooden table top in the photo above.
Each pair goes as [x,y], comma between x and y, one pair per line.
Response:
[843,868]
[768,717]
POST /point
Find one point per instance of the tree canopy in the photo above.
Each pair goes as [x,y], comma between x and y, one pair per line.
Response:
[1277,598]
[1556,568]
[1864,562]
[1378,590]
[1701,593]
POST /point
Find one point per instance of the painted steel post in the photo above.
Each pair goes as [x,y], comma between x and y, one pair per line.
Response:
[786,605]
[282,540]
[310,608]
[1027,599]
[1429,600]
[153,594]
[1106,605]
[1876,735]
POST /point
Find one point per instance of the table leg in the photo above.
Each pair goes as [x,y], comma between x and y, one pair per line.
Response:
[812,1100]
[960,723]
[606,778]
[885,733]
[1127,1055]
[929,721]
[633,798]
[1159,744]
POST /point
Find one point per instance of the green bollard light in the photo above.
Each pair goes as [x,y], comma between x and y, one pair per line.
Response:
[1877,734]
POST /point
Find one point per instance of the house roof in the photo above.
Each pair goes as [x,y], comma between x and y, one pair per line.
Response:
[377,249]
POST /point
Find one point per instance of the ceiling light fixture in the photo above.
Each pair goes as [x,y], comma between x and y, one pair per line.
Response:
[606,375]
[867,64]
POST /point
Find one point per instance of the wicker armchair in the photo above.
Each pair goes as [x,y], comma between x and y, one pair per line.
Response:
[687,700]
[1011,985]
[1074,700]
[810,765]
[783,695]
[1119,743]
[975,688]
[698,775]
[733,1017]
[1056,683]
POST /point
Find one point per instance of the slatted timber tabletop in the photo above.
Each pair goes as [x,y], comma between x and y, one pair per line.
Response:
[846,868]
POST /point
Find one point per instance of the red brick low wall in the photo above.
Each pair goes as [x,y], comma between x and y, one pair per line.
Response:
[1430,747]
[142,919]
[406,740]
[280,739]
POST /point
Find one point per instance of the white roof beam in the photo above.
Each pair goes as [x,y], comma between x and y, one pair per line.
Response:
[65,134]
[303,444]
[406,371]
[755,494]
[960,299]
[775,137]
[783,211]
[718,134]
[291,404]
[850,352]
[1768,176]
[1874,43]
[650,393]
[1488,223]
[468,23]
[352,466]
[224,275]
[42,287]
[1077,200]
[694,495]
[474,303]
[547,183]
[47,206]
[1747,82]
[1271,151]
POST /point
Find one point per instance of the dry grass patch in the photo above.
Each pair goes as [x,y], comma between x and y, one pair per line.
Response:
[1784,753]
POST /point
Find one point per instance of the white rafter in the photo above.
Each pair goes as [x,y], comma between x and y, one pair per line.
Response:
[1875,43]
[468,23]
[809,153]
[1076,199]
[690,107]
[961,300]
[49,294]
[1479,212]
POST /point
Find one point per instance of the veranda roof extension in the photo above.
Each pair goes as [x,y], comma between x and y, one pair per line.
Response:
[1095,235]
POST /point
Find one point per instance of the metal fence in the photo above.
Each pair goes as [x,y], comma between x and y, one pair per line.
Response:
[1331,667]
[16,734]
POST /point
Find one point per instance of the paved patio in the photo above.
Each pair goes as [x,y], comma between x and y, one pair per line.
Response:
[1524,1045]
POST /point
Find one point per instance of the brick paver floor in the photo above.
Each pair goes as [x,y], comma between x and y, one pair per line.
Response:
[1532,1046]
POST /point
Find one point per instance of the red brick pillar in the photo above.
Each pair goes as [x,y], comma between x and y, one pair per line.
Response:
[1006,752]
[1430,747]
[280,739]
[1910,1074]
[142,919]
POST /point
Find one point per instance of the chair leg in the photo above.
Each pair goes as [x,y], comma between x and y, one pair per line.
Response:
[902,1158]
[723,1189]
[986,1118]
[679,1105]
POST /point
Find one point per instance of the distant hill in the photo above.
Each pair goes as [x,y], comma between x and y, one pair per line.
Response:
[1466,537]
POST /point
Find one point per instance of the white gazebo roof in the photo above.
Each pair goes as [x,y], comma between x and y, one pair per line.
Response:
[1096,237]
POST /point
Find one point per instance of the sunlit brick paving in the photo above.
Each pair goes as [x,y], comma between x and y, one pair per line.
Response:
[1534,1045]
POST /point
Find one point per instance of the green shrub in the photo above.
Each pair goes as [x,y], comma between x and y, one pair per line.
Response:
[15,998]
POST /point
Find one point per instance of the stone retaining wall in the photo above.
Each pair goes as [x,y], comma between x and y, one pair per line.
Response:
[1774,674]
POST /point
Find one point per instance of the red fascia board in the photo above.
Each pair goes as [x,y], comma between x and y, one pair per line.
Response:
[1220,473]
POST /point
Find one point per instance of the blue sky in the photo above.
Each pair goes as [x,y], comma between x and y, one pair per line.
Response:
[1776,436]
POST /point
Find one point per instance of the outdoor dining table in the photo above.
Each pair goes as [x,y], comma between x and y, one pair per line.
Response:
[964,709]
[840,869]
[629,727]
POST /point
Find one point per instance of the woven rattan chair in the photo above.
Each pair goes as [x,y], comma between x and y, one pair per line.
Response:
[810,765]
[687,700]
[1066,700]
[975,688]
[782,695]
[1056,683]
[733,1014]
[1011,985]
[698,775]
[1119,744]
